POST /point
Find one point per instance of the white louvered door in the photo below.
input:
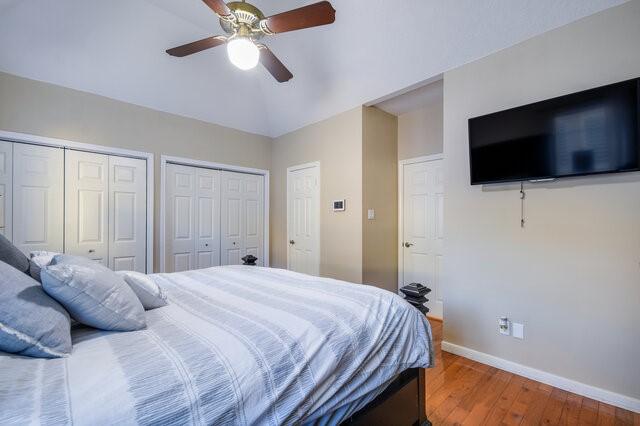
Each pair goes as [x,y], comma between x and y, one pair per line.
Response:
[38,198]
[87,205]
[127,214]
[6,189]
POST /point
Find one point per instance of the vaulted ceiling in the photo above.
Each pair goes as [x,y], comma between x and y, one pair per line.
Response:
[116,48]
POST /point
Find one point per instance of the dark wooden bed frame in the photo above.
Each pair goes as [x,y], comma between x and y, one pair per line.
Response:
[401,403]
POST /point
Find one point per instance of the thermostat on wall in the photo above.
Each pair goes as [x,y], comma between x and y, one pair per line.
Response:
[338,205]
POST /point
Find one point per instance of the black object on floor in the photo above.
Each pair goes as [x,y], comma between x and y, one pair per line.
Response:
[249,260]
[415,290]
[414,294]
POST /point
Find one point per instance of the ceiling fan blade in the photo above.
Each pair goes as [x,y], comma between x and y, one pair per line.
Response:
[273,64]
[219,7]
[314,15]
[197,46]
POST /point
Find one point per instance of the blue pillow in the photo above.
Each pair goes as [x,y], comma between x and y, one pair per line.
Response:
[93,294]
[31,323]
[12,256]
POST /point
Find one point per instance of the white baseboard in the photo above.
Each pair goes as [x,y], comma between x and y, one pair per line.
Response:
[622,401]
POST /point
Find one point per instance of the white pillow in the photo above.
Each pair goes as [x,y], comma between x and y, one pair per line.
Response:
[150,294]
[93,294]
[38,260]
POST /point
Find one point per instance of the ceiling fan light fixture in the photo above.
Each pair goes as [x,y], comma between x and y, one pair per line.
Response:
[243,53]
[244,25]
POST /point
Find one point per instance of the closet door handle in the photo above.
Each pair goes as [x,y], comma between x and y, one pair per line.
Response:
[92,251]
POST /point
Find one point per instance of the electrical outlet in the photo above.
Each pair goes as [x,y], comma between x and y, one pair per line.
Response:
[371,214]
[503,326]
[517,330]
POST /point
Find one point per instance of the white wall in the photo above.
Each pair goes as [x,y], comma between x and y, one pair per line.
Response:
[420,130]
[44,109]
[380,193]
[572,275]
[337,144]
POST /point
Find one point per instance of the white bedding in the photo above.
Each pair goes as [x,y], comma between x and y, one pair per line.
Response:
[235,345]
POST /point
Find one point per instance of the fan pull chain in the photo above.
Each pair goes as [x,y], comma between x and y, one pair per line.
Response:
[522,197]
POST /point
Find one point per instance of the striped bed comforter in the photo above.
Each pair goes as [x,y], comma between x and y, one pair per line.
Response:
[236,345]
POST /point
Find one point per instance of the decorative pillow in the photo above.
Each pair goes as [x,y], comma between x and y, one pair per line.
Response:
[150,294]
[39,259]
[12,256]
[93,294]
[31,323]
[72,259]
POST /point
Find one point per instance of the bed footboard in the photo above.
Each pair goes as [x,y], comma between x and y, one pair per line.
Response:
[403,402]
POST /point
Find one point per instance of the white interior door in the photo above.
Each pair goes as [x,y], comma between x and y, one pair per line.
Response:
[6,189]
[422,228]
[38,198]
[87,205]
[180,218]
[303,225]
[127,214]
[242,217]
[207,220]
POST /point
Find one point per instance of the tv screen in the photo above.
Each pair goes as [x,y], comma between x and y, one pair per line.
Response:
[595,131]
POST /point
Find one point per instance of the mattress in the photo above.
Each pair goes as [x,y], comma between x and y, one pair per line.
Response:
[236,345]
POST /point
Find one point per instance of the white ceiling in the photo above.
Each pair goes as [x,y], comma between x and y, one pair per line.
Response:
[116,48]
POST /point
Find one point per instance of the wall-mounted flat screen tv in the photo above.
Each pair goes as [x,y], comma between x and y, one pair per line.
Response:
[590,132]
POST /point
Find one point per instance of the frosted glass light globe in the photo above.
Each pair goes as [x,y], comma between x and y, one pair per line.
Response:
[243,53]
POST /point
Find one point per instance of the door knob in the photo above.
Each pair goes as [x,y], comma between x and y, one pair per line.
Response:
[291,242]
[407,245]
[206,244]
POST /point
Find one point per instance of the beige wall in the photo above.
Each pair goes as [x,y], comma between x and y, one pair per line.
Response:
[43,109]
[572,275]
[337,144]
[420,130]
[380,192]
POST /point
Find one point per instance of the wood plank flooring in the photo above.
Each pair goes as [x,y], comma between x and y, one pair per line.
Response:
[464,392]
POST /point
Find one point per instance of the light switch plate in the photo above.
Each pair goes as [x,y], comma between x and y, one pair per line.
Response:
[371,214]
[517,330]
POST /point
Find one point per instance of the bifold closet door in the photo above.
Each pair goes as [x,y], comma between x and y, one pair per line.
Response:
[207,220]
[38,198]
[242,217]
[180,217]
[192,218]
[87,205]
[127,214]
[6,189]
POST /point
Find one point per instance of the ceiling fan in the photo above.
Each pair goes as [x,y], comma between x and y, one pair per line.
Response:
[245,24]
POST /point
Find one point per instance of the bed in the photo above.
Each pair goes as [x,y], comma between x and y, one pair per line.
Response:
[235,345]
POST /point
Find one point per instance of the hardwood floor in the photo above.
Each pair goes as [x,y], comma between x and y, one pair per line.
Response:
[464,392]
